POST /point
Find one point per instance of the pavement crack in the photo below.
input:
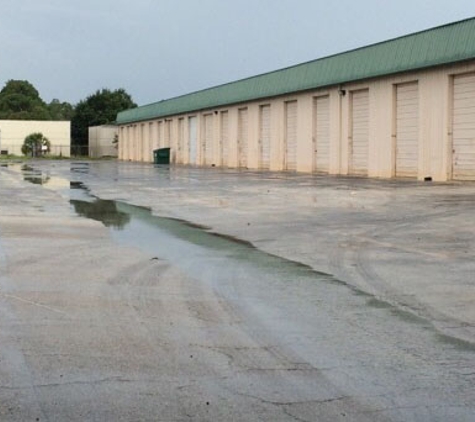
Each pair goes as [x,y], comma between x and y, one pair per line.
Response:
[64,384]
[294,403]
[31,302]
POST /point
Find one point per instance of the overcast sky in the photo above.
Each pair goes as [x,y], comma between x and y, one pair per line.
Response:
[157,49]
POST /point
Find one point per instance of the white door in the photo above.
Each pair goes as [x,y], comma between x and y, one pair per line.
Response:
[290,162]
[224,138]
[407,130]
[359,134]
[192,130]
[208,140]
[463,156]
[321,133]
[242,137]
[264,137]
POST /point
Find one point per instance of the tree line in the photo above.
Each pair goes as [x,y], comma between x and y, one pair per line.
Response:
[20,100]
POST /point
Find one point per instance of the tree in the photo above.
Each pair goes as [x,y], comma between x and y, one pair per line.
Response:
[60,110]
[36,144]
[99,108]
[19,100]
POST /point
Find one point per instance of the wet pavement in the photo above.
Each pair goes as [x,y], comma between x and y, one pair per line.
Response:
[134,292]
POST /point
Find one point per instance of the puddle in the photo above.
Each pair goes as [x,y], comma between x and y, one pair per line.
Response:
[34,176]
[101,210]
[180,241]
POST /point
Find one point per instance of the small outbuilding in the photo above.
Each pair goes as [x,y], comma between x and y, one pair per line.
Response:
[401,108]
[103,141]
[14,132]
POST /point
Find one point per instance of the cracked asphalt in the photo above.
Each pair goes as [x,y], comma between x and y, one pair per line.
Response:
[130,292]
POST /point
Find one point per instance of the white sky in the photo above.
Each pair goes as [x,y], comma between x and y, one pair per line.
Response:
[157,49]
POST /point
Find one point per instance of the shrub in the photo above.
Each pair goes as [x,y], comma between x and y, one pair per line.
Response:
[36,145]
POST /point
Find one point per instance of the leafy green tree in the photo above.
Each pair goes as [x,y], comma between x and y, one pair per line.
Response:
[60,110]
[99,108]
[36,144]
[19,100]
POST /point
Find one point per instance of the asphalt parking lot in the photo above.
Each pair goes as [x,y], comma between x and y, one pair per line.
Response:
[135,292]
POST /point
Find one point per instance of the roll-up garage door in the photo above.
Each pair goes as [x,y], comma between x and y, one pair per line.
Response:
[143,141]
[136,143]
[407,130]
[242,137]
[224,138]
[322,133]
[148,148]
[264,137]
[160,135]
[168,133]
[359,139]
[291,135]
[464,127]
[181,140]
[128,154]
[208,140]
[192,133]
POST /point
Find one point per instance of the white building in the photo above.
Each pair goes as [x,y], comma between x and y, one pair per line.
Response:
[14,132]
[400,108]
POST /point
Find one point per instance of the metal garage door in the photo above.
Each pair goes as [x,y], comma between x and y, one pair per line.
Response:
[154,139]
[224,138]
[359,134]
[242,137]
[148,148]
[321,118]
[160,135]
[264,137]
[192,140]
[181,140]
[407,130]
[128,154]
[208,140]
[141,142]
[464,127]
[136,143]
[168,133]
[290,135]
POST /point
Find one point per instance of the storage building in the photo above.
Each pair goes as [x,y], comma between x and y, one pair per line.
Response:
[400,108]
[14,132]
[102,141]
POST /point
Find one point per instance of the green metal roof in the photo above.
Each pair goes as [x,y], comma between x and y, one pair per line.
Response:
[437,46]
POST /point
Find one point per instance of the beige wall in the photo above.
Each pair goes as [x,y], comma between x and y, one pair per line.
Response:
[14,132]
[101,141]
[434,150]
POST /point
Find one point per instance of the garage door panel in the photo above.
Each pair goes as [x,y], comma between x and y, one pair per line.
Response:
[192,141]
[208,140]
[291,135]
[322,133]
[407,130]
[265,137]
[463,158]
[360,132]
[224,138]
[242,137]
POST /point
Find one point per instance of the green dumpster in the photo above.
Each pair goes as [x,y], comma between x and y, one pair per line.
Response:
[161,156]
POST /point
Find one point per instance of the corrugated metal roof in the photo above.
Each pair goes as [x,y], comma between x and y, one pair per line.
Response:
[437,46]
